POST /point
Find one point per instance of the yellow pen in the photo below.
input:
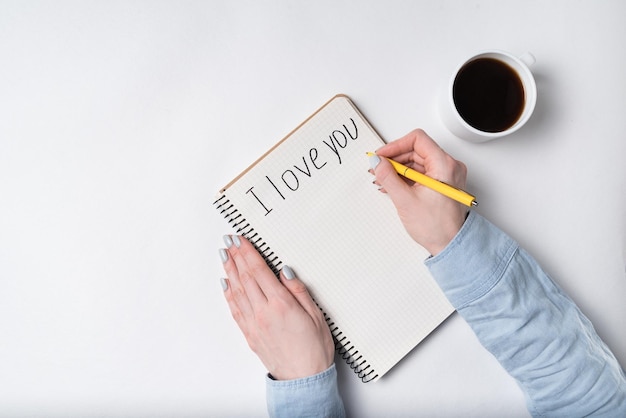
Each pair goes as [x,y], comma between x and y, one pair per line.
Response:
[438,186]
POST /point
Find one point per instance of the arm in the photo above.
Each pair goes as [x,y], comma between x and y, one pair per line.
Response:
[536,332]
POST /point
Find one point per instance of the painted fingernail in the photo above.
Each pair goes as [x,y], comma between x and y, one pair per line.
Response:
[374,161]
[223,255]
[288,272]
[228,241]
[237,241]
[224,284]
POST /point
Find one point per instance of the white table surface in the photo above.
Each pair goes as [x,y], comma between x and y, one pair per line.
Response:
[120,120]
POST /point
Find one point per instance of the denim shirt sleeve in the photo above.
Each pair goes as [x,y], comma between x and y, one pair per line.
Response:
[533,329]
[314,396]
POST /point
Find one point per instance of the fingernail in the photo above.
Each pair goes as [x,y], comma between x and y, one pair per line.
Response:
[224,284]
[228,241]
[237,241]
[223,255]
[374,161]
[288,272]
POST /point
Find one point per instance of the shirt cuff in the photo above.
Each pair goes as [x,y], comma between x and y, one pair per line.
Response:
[316,395]
[473,262]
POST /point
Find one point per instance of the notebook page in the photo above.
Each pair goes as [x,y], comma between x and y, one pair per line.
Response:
[313,202]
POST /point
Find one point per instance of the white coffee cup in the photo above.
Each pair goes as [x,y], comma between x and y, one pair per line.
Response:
[461,113]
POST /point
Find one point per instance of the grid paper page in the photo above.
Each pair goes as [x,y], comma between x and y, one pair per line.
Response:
[313,202]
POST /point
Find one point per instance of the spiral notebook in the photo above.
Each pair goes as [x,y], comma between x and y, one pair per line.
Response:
[310,202]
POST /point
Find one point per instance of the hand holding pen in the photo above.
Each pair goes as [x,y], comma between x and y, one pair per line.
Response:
[430,217]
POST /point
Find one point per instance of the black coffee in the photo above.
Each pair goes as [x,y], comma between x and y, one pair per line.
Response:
[488,95]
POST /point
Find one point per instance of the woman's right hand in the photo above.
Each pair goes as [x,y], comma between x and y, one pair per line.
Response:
[430,218]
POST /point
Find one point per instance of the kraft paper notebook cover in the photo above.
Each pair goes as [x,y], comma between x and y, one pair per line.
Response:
[309,202]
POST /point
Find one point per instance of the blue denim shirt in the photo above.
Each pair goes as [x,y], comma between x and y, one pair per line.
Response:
[520,315]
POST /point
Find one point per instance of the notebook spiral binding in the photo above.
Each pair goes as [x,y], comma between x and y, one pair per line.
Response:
[343,345]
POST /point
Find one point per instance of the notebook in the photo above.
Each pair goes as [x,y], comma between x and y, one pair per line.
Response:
[310,202]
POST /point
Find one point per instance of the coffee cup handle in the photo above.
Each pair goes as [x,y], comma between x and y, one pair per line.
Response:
[528,59]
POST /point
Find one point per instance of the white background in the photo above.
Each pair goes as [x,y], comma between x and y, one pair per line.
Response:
[119,120]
